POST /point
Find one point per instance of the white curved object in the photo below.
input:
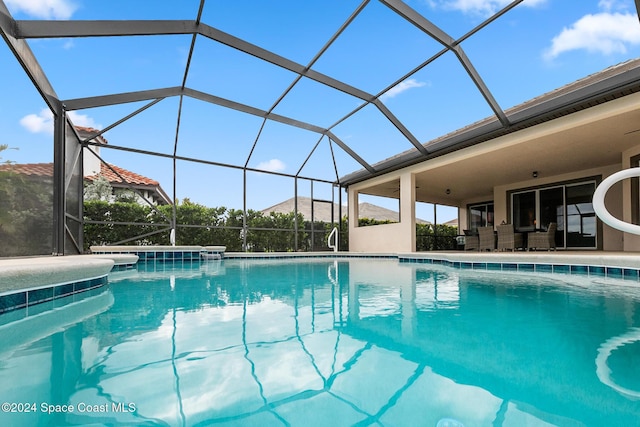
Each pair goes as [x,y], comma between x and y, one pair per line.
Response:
[602,369]
[334,234]
[172,237]
[600,208]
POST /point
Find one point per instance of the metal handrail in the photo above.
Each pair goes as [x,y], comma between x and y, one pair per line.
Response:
[334,246]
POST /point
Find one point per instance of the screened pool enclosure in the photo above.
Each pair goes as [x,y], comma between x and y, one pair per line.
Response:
[121,124]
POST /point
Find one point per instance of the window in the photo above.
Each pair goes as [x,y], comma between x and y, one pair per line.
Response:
[480,215]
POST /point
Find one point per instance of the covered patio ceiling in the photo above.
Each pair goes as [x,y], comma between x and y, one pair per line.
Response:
[589,146]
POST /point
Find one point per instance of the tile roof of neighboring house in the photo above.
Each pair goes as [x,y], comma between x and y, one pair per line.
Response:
[32,169]
[115,174]
[85,132]
[119,177]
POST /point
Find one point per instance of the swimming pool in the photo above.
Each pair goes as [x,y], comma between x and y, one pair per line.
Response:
[327,342]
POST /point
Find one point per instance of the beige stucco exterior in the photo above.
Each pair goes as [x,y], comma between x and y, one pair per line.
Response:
[592,143]
[395,237]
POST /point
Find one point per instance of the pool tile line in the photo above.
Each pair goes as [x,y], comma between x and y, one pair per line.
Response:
[162,255]
[578,269]
[253,255]
[529,267]
[30,297]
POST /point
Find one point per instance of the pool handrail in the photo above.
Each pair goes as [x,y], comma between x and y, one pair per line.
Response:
[601,209]
[334,246]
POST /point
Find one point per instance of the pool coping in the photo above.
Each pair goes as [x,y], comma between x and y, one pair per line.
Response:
[616,265]
[26,282]
[34,280]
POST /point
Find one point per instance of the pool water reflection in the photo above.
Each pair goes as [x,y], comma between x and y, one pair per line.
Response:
[323,342]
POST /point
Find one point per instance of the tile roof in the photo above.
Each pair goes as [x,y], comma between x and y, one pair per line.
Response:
[603,86]
[574,86]
[32,169]
[111,172]
[114,173]
[85,132]
[46,169]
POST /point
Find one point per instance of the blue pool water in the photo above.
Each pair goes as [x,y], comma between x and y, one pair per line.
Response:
[351,342]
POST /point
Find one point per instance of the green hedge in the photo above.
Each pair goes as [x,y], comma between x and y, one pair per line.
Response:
[202,226]
[195,225]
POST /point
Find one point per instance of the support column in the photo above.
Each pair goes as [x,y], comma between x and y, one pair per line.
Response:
[353,208]
[408,207]
[59,196]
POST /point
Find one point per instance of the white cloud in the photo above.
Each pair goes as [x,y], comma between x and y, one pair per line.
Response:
[604,33]
[38,123]
[401,87]
[480,7]
[43,121]
[83,120]
[609,5]
[273,165]
[44,9]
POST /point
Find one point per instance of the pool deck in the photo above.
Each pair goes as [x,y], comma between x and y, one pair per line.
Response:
[37,272]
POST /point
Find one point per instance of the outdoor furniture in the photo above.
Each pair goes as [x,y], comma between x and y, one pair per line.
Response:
[487,239]
[471,241]
[508,239]
[543,239]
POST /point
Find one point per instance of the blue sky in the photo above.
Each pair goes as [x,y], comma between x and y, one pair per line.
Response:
[538,46]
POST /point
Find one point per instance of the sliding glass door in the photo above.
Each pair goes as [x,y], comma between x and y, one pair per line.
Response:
[581,217]
[552,210]
[524,211]
[568,205]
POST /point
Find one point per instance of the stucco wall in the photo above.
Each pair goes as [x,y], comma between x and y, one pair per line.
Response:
[379,238]
[398,237]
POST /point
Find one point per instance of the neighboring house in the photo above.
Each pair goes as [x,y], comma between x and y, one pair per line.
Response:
[452,223]
[121,180]
[542,166]
[322,210]
[36,171]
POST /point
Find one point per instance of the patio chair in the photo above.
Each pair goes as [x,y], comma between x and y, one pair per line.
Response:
[508,239]
[543,239]
[487,239]
[471,242]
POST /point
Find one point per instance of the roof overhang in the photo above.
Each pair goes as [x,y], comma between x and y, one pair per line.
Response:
[596,97]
